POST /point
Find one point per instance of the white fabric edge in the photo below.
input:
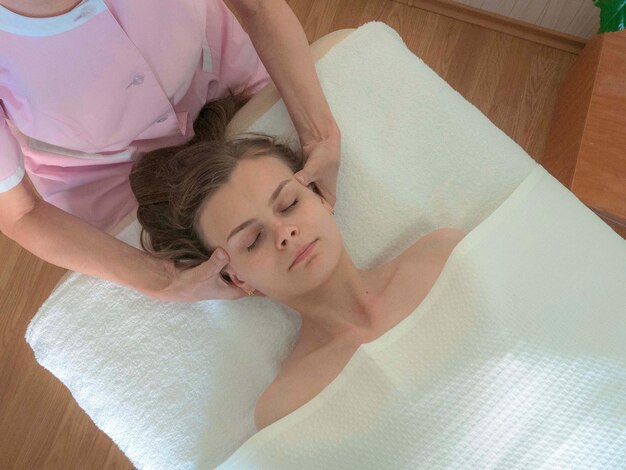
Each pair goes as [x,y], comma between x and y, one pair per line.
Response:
[12,181]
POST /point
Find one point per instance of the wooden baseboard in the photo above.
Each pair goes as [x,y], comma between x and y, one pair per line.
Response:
[503,24]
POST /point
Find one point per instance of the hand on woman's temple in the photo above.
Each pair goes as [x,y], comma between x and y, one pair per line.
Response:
[202,282]
[322,165]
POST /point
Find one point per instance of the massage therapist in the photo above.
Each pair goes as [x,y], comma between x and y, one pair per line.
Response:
[88,87]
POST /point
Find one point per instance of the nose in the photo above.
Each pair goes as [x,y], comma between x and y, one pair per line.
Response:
[285,234]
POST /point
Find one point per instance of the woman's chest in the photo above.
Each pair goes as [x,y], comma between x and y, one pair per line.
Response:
[92,78]
[310,369]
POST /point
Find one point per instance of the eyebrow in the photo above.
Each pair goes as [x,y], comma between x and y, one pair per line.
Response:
[270,201]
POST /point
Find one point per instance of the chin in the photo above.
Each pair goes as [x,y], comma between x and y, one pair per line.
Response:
[318,271]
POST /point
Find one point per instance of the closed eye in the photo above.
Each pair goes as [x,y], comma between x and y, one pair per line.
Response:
[253,246]
[291,206]
[256,240]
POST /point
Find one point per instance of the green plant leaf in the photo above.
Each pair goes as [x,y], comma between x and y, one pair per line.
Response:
[612,15]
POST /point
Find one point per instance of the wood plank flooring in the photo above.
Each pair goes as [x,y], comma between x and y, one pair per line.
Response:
[514,82]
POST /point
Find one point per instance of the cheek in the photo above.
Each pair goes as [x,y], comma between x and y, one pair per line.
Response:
[268,275]
[253,268]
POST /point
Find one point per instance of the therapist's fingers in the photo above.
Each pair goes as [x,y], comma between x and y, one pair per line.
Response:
[218,261]
[326,184]
[328,189]
[214,266]
[321,168]
[202,282]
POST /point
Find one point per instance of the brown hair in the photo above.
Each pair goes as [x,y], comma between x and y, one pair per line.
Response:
[171,184]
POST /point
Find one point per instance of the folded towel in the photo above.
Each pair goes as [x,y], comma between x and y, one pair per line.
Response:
[516,359]
[175,385]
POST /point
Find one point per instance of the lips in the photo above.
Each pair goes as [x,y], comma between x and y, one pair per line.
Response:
[303,253]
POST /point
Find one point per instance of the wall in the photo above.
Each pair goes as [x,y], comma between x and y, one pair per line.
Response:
[576,17]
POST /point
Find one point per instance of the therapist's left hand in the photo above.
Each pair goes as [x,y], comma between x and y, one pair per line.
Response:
[322,165]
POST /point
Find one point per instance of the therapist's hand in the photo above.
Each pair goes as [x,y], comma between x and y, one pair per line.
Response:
[322,165]
[202,282]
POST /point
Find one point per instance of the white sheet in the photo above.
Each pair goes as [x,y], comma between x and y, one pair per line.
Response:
[175,385]
[516,359]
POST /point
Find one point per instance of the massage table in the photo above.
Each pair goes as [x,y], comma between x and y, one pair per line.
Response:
[515,359]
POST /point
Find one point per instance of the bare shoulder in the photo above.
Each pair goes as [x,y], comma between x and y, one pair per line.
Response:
[286,394]
[439,242]
[417,269]
[280,398]
[264,413]
[445,237]
[300,380]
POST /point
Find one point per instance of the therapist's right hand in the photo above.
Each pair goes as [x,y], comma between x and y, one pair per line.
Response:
[202,282]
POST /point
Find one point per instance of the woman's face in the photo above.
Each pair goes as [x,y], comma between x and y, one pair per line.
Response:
[263,217]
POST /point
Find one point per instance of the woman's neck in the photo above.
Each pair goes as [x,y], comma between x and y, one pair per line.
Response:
[346,303]
[39,8]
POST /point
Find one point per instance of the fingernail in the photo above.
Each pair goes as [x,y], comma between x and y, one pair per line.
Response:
[221,255]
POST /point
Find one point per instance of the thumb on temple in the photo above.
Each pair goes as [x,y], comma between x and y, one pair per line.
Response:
[218,260]
[304,177]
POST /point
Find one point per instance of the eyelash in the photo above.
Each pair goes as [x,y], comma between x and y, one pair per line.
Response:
[251,247]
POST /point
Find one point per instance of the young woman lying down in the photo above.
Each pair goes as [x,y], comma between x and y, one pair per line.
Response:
[284,243]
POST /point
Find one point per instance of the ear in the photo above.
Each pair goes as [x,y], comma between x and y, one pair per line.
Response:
[235,281]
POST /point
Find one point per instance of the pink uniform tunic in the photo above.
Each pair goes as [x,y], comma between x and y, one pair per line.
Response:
[84,94]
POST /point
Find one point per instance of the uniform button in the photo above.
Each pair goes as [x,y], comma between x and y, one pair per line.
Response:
[138,79]
[162,118]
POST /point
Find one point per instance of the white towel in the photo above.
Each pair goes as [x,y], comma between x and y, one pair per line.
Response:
[516,359]
[174,385]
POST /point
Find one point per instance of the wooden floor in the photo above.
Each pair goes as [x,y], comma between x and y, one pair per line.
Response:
[514,82]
